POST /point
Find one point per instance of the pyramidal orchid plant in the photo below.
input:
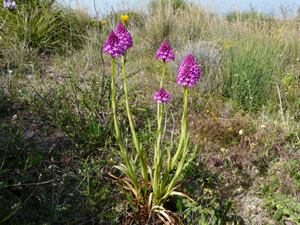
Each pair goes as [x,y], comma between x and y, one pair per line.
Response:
[114,47]
[148,197]
[163,187]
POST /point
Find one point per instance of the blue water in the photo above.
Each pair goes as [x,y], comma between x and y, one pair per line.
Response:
[271,6]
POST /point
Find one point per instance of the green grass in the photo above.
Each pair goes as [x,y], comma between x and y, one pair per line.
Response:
[38,27]
[251,16]
[57,142]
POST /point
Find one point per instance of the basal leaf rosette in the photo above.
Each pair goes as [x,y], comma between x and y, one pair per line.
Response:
[189,72]
[113,45]
[124,36]
[165,52]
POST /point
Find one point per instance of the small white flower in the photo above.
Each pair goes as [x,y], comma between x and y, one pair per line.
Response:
[297,59]
[10,71]
[288,74]
[263,126]
[241,132]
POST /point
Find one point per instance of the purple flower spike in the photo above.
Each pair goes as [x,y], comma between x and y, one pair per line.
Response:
[113,46]
[5,5]
[9,5]
[189,72]
[165,52]
[124,36]
[162,96]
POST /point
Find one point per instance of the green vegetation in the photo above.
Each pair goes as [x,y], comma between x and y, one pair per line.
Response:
[57,133]
[251,16]
[37,27]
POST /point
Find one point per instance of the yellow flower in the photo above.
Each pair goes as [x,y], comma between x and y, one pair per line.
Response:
[252,145]
[124,18]
[216,119]
[207,111]
[280,30]
[229,129]
[104,22]
[196,136]
[227,44]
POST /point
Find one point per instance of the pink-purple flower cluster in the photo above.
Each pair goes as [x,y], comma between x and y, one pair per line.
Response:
[165,52]
[123,35]
[162,96]
[113,45]
[9,5]
[117,42]
[189,72]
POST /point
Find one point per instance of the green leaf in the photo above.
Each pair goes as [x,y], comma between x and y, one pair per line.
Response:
[37,160]
[271,206]
[179,206]
[24,179]
[213,199]
[92,127]
[27,163]
[190,189]
[99,129]
[130,202]
[278,215]
[273,178]
[21,179]
[4,171]
[3,185]
[141,109]
[297,176]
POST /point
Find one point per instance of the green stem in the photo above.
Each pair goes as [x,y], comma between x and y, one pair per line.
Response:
[161,84]
[178,170]
[183,127]
[183,137]
[157,158]
[118,133]
[117,129]
[163,75]
[134,136]
[158,134]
